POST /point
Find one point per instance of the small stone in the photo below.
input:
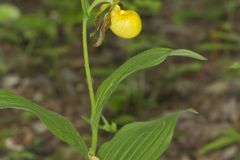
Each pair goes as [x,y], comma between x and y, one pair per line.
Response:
[39,127]
[230,153]
[38,97]
[185,157]
[11,81]
[10,144]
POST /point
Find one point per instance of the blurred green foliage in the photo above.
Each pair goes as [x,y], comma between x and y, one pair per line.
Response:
[146,41]
[8,12]
[65,13]
[235,65]
[54,18]
[211,11]
[21,155]
[145,7]
[177,70]
[3,135]
[226,138]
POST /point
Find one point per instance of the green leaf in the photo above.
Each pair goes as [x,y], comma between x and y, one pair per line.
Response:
[9,12]
[85,6]
[60,126]
[230,137]
[216,144]
[111,128]
[141,140]
[235,65]
[141,61]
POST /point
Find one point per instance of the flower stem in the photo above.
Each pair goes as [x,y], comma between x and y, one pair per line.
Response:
[97,2]
[87,67]
[90,86]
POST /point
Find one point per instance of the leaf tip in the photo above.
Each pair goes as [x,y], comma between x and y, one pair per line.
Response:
[204,58]
[191,110]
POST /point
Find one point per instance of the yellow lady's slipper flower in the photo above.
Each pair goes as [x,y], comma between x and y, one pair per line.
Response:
[125,23]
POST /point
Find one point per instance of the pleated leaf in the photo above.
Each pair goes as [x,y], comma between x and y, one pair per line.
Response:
[57,124]
[141,140]
[141,61]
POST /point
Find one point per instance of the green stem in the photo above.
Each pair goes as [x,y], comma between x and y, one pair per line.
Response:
[97,2]
[90,86]
[87,67]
